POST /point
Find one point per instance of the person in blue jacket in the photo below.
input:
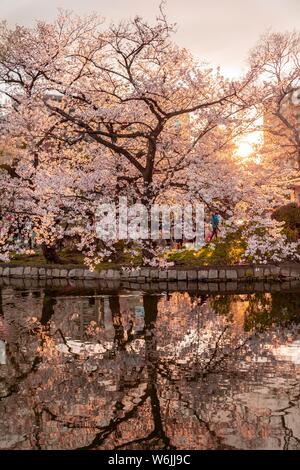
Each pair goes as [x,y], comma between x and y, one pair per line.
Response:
[215,222]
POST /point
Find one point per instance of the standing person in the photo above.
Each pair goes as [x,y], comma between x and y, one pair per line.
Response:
[215,222]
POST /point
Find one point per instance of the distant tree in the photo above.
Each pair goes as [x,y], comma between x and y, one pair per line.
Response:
[277,59]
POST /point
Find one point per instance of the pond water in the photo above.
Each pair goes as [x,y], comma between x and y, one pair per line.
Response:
[133,370]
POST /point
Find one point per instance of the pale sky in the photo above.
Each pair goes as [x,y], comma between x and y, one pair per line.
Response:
[218,31]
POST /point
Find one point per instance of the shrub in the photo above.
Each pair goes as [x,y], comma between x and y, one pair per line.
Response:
[228,250]
[290,214]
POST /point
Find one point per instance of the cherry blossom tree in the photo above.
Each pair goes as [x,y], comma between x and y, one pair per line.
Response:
[117,110]
[95,111]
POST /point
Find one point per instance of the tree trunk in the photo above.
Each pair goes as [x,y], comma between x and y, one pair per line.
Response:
[50,255]
[1,308]
[149,246]
[48,307]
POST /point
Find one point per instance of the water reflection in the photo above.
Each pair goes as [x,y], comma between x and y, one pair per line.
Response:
[130,370]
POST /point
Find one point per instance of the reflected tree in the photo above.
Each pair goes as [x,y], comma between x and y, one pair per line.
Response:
[185,380]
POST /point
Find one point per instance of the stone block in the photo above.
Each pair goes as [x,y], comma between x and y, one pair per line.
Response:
[34,272]
[285,272]
[145,272]
[240,273]
[231,274]
[134,273]
[172,274]
[192,275]
[275,271]
[76,273]
[154,273]
[103,274]
[213,274]
[259,273]
[17,272]
[249,273]
[163,274]
[27,271]
[181,275]
[203,274]
[124,274]
[90,274]
[79,273]
[295,273]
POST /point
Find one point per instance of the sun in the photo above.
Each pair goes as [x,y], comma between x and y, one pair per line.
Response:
[244,149]
[248,144]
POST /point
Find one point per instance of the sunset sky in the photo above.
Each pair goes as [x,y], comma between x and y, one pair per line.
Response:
[218,31]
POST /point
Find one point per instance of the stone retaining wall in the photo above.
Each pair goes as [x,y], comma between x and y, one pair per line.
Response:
[68,286]
[198,275]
